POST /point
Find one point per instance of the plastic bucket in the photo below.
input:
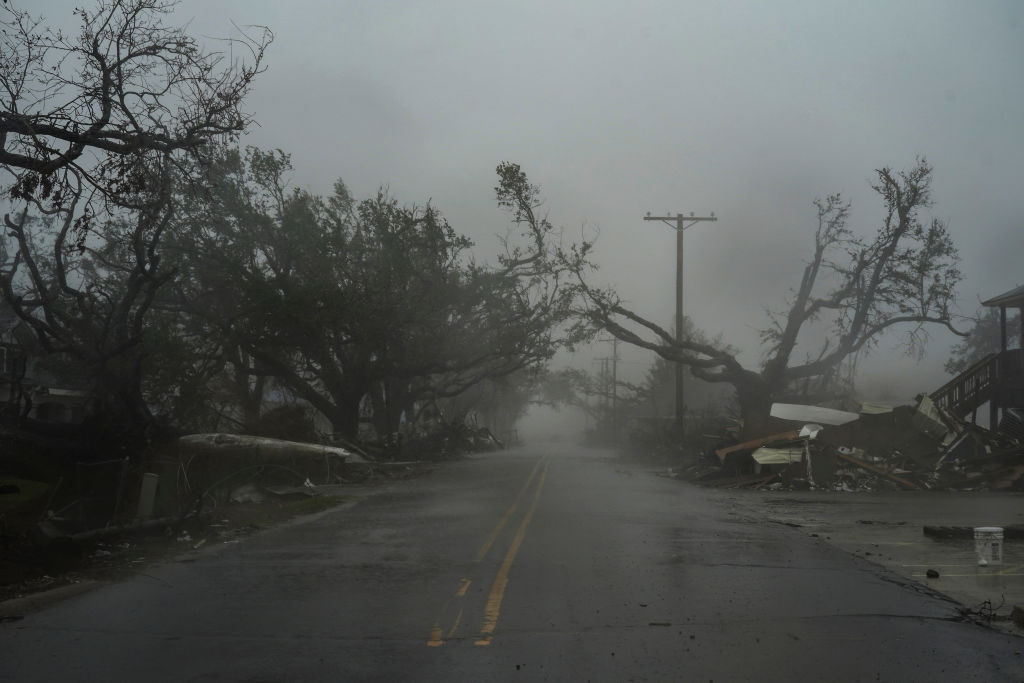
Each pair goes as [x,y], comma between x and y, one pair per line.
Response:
[988,544]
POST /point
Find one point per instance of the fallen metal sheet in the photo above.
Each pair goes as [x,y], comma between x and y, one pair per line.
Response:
[816,414]
[777,456]
[875,409]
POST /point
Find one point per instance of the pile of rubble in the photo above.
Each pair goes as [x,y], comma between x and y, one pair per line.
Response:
[906,447]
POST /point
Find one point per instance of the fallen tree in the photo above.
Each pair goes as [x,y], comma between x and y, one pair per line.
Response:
[903,278]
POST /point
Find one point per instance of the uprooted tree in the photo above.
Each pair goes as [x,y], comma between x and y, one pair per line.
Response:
[904,278]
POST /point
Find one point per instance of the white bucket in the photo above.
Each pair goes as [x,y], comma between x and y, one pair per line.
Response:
[988,544]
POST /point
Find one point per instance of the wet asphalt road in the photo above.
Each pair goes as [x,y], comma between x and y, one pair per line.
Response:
[553,563]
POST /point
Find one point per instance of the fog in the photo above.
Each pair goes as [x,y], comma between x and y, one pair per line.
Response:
[750,110]
[547,424]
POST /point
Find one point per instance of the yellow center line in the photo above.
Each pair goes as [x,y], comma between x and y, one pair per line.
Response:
[493,607]
[455,626]
[437,635]
[508,514]
[1010,571]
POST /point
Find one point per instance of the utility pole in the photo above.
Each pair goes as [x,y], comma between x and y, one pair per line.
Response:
[615,390]
[614,385]
[680,223]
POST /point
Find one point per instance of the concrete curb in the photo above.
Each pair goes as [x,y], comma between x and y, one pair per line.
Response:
[16,608]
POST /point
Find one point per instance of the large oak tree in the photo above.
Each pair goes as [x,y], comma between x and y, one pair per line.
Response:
[365,307]
[96,128]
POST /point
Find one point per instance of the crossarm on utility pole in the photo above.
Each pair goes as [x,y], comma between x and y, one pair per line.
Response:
[680,225]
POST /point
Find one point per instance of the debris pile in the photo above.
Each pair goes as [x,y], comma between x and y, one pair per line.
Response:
[906,447]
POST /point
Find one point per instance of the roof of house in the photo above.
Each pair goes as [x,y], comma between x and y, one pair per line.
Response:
[1015,297]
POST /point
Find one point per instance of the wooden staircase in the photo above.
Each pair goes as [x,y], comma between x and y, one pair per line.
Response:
[970,389]
[996,379]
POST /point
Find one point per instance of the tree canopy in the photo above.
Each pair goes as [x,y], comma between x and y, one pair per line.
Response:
[359,308]
[982,339]
[85,109]
[98,133]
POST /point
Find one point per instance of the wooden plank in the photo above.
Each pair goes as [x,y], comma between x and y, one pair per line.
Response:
[756,443]
[879,470]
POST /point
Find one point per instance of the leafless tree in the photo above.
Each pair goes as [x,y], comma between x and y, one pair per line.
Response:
[93,104]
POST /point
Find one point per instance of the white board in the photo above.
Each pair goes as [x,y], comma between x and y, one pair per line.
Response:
[816,414]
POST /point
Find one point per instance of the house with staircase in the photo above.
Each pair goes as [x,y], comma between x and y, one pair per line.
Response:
[996,380]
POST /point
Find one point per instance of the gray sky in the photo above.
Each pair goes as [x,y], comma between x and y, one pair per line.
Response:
[748,109]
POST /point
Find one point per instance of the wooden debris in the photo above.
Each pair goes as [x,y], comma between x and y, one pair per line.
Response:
[756,443]
[874,468]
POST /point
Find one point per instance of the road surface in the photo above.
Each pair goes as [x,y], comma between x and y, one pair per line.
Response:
[555,563]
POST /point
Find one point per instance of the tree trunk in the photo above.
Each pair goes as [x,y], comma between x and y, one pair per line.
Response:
[391,398]
[251,399]
[344,418]
[755,398]
[119,415]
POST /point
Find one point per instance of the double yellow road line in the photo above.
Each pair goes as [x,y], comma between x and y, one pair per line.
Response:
[492,608]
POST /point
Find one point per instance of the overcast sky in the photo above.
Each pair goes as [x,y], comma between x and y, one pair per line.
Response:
[748,109]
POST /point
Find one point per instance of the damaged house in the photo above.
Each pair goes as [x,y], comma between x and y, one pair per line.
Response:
[27,390]
[937,444]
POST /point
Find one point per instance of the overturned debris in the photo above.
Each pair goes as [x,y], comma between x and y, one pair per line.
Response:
[868,466]
[813,414]
[747,446]
[232,443]
[906,447]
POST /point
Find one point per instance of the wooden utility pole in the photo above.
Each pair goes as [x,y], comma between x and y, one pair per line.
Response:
[680,223]
[614,385]
[610,386]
